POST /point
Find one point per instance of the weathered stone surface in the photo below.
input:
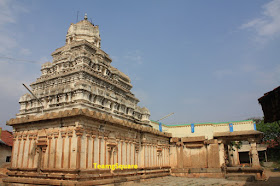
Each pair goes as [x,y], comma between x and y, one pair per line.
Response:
[81,76]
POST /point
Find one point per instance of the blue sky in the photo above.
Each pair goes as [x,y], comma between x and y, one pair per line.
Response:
[206,61]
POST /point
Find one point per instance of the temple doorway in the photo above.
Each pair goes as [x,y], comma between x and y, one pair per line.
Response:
[244,158]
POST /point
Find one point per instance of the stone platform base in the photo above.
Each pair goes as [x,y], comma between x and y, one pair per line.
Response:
[198,172]
[241,177]
[245,173]
[81,177]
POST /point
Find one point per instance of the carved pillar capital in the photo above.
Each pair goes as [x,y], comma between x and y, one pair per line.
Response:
[30,136]
[19,137]
[49,136]
[63,134]
[70,133]
[55,134]
[79,131]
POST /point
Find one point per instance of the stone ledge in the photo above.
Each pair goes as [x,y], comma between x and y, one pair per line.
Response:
[244,169]
[85,112]
[196,170]
[57,181]
[199,175]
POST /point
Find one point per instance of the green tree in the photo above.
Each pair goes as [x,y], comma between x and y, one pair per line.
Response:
[271,137]
[271,132]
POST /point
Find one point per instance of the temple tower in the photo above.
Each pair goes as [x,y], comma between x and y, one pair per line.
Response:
[81,76]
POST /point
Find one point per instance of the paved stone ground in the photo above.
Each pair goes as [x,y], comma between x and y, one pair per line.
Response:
[182,181]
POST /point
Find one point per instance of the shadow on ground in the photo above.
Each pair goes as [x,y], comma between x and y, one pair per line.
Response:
[274,181]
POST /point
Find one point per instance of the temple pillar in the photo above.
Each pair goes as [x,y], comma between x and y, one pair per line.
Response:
[142,157]
[63,136]
[180,157]
[236,156]
[118,150]
[14,150]
[70,135]
[79,133]
[105,150]
[137,154]
[222,153]
[99,147]
[173,156]
[254,153]
[56,150]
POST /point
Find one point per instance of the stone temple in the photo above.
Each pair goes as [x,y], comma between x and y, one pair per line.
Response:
[81,114]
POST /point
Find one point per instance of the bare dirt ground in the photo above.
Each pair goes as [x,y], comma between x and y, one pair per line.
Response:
[272,178]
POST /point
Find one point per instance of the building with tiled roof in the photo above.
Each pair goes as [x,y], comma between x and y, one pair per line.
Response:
[6,143]
[7,137]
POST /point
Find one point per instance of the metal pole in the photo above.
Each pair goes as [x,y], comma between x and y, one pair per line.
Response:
[33,95]
[166,116]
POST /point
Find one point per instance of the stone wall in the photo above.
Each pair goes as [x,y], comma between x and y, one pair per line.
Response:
[204,129]
[61,146]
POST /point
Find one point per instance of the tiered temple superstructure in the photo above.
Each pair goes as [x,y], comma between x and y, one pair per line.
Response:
[81,76]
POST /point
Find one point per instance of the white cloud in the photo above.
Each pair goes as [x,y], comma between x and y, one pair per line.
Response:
[115,58]
[269,78]
[44,59]
[192,101]
[142,96]
[134,57]
[25,51]
[262,76]
[249,67]
[7,43]
[11,74]
[11,87]
[266,26]
[222,73]
[9,12]
[6,12]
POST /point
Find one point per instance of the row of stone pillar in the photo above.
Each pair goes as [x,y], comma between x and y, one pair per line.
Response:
[81,150]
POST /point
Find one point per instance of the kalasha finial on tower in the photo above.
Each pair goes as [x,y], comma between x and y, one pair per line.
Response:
[85,16]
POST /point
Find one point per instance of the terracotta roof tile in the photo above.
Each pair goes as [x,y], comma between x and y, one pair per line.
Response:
[7,137]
